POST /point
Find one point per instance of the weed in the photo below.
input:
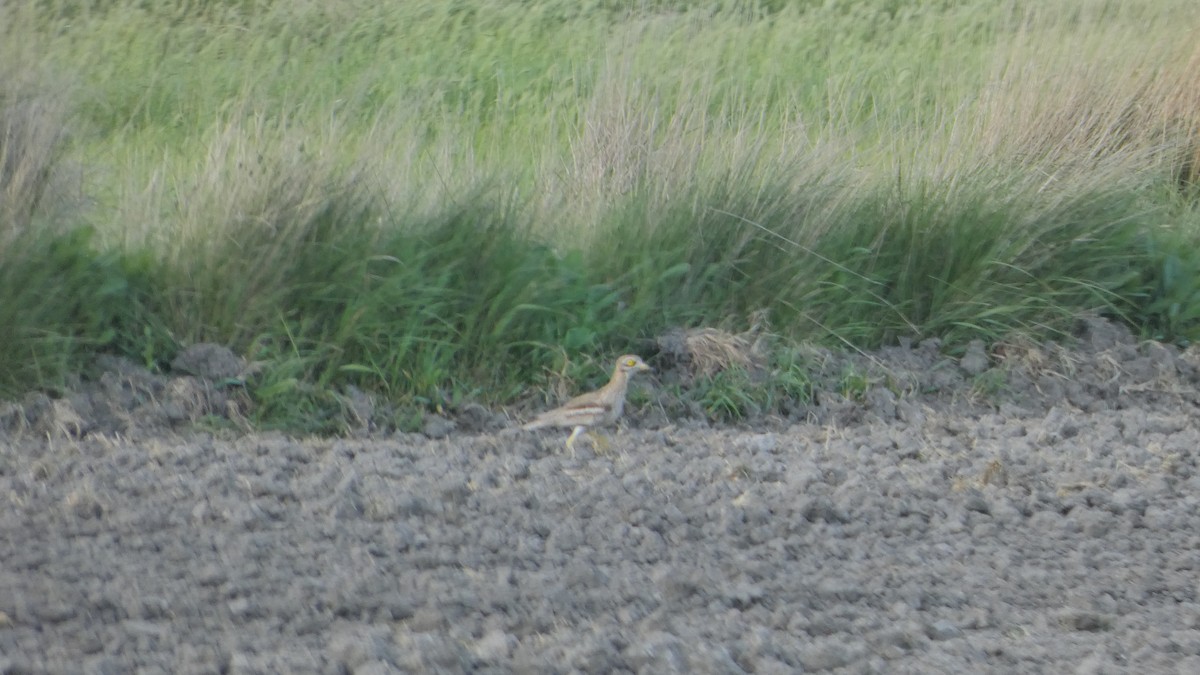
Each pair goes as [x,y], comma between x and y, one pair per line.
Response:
[1173,307]
[735,395]
[989,384]
[853,383]
[729,396]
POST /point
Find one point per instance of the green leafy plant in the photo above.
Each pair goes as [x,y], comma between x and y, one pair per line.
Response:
[728,396]
[854,384]
[990,383]
[1174,308]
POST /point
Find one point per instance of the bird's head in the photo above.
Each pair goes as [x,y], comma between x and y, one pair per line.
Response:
[632,363]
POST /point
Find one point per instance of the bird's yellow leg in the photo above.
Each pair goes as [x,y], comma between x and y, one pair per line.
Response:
[571,439]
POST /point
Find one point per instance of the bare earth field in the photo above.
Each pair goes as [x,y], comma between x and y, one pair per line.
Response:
[1029,510]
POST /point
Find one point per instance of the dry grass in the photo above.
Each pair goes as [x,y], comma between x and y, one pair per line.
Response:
[703,352]
[34,180]
[1085,103]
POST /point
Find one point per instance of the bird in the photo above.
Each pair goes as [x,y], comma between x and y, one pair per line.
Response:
[595,408]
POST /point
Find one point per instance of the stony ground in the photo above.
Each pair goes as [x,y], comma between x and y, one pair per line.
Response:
[1024,510]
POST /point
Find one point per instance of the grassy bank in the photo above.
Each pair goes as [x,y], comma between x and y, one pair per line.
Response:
[449,201]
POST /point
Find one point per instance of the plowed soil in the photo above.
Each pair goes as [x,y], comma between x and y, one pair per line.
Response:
[1028,509]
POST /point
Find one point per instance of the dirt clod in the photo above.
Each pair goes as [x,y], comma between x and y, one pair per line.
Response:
[975,360]
[209,361]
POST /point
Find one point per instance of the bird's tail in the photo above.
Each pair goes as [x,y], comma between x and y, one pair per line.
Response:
[535,423]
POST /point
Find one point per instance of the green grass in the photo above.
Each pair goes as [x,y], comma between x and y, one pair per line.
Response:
[442,202]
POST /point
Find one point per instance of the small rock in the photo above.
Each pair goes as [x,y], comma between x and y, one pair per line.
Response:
[826,656]
[882,402]
[823,510]
[476,419]
[138,627]
[1082,620]
[1094,664]
[430,652]
[495,645]
[943,630]
[762,442]
[975,501]
[352,649]
[659,652]
[209,361]
[930,345]
[911,413]
[84,506]
[241,607]
[1102,334]
[54,612]
[975,360]
[436,426]
[211,575]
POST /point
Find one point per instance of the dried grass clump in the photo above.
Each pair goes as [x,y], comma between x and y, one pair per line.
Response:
[703,352]
[33,136]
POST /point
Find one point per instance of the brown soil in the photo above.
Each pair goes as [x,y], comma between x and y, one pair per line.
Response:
[1032,508]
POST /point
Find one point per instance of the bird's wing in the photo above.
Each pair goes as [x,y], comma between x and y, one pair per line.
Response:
[584,410]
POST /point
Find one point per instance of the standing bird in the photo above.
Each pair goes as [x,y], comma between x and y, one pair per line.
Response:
[595,408]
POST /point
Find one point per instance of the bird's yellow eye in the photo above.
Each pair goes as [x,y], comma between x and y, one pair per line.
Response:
[629,363]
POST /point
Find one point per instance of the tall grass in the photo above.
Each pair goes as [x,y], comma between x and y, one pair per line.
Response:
[57,295]
[440,201]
